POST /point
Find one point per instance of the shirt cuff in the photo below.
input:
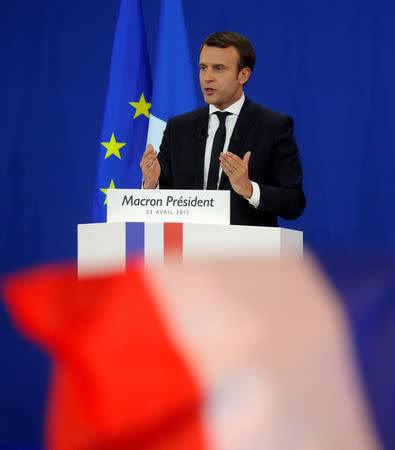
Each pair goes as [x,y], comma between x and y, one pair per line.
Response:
[256,195]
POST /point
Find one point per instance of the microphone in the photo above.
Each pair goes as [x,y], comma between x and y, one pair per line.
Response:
[202,134]
[235,135]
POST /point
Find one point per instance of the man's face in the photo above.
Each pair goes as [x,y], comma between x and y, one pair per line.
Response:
[220,81]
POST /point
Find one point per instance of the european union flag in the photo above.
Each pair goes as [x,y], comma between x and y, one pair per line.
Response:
[127,109]
[171,96]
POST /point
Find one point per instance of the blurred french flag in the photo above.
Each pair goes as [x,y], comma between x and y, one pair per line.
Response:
[197,357]
[173,86]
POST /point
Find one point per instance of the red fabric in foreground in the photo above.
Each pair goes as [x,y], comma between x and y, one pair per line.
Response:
[118,381]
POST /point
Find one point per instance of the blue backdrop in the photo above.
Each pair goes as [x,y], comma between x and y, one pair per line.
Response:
[330,65]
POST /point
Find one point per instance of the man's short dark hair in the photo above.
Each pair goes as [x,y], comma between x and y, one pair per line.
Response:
[225,39]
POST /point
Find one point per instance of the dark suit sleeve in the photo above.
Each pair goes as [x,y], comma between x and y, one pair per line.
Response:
[283,195]
[164,158]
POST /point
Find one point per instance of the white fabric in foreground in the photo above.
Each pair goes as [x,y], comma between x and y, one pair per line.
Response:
[268,342]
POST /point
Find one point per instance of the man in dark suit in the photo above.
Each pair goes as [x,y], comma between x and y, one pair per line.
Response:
[231,144]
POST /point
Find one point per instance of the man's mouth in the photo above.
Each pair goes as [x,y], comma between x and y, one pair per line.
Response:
[209,91]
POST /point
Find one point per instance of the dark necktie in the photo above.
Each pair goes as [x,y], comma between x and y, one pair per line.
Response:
[218,146]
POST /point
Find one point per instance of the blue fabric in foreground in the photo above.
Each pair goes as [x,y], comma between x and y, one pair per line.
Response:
[365,281]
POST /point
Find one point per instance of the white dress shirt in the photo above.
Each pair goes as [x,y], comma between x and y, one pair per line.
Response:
[230,122]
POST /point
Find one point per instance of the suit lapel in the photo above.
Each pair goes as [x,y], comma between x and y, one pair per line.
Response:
[239,136]
[199,146]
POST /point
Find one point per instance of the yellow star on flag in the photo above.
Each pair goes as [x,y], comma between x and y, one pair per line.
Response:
[142,107]
[112,186]
[113,147]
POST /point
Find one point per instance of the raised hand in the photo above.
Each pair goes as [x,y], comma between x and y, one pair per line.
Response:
[150,168]
[237,171]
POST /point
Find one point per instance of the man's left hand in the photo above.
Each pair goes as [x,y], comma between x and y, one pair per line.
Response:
[237,171]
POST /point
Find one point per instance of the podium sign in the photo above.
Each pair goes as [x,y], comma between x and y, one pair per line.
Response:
[165,205]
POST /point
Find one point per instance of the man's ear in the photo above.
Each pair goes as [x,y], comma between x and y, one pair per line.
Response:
[244,75]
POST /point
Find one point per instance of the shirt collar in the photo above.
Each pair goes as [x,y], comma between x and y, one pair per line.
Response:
[235,108]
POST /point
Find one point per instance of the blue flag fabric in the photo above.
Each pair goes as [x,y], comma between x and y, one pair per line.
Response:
[127,109]
[174,90]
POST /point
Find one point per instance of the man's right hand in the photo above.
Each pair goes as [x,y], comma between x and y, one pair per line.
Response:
[150,168]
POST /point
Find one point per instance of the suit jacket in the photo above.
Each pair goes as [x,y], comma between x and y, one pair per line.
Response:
[274,162]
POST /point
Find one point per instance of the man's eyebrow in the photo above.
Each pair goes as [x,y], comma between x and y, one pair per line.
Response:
[213,65]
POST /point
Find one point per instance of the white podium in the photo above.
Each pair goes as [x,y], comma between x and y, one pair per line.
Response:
[104,247]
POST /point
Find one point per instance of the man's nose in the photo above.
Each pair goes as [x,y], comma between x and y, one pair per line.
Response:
[208,75]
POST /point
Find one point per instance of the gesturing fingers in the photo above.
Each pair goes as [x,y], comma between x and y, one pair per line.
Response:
[148,154]
[150,168]
[237,171]
[231,164]
[235,160]
[148,162]
[148,158]
[226,165]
